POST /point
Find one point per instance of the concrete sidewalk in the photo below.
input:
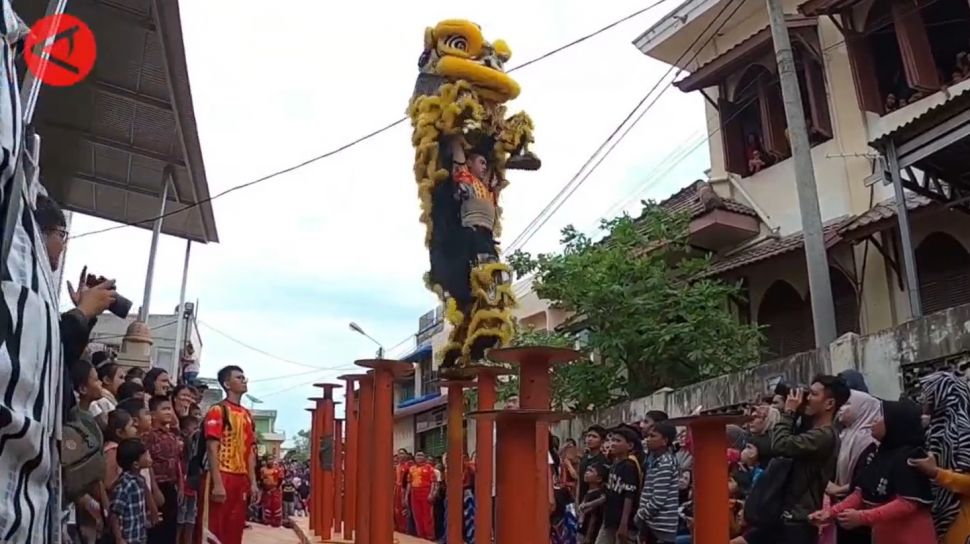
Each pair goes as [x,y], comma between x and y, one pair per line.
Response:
[262,534]
[302,530]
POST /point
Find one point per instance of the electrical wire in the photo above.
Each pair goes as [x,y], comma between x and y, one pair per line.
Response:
[266,353]
[579,178]
[361,139]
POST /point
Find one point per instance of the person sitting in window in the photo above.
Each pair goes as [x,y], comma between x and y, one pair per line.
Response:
[963,64]
[754,153]
[891,102]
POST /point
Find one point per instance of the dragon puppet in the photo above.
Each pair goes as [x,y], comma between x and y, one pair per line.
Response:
[463,146]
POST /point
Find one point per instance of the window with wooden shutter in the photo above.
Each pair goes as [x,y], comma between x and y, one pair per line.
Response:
[817,97]
[914,45]
[773,120]
[864,74]
[943,271]
[732,137]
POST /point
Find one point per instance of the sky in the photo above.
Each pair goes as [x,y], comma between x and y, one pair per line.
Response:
[304,254]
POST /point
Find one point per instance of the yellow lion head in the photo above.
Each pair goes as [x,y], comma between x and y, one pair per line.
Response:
[456,50]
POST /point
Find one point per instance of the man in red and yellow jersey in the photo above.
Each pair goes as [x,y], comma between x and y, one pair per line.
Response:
[272,476]
[402,465]
[231,482]
[420,492]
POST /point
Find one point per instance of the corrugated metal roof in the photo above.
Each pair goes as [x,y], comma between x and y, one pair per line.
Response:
[107,141]
[957,102]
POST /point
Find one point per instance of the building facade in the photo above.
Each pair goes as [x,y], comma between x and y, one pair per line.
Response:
[881,126]
[269,440]
[110,331]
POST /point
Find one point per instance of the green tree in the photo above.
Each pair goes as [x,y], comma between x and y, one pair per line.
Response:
[643,296]
[301,447]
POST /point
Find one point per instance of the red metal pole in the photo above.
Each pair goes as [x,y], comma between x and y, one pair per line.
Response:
[316,471]
[710,480]
[326,469]
[365,443]
[338,476]
[350,454]
[314,478]
[382,481]
[455,453]
[484,454]
[535,393]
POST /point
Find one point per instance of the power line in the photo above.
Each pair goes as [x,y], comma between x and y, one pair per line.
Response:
[266,353]
[576,181]
[363,138]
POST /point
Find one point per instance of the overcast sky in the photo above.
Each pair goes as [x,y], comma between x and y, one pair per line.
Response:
[304,254]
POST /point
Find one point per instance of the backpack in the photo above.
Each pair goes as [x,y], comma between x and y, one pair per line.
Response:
[767,498]
[197,453]
[82,454]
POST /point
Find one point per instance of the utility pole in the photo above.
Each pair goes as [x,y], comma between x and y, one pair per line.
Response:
[823,309]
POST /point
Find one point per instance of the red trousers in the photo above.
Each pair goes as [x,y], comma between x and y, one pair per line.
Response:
[225,520]
[400,519]
[273,507]
[422,512]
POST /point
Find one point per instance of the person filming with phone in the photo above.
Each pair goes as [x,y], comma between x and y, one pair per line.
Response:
[90,301]
[808,457]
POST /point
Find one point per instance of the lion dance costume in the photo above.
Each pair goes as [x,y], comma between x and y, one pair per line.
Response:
[463,146]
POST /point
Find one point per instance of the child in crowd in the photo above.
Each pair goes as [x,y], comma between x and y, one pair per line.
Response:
[120,426]
[188,505]
[143,424]
[129,523]
[622,489]
[289,498]
[659,502]
[591,510]
[89,507]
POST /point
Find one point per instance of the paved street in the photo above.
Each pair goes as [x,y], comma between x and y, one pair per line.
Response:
[261,534]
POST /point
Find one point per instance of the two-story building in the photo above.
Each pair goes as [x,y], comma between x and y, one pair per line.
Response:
[884,87]
[269,440]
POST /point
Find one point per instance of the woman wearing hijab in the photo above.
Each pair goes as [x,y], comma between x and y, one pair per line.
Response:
[890,496]
[946,398]
[857,446]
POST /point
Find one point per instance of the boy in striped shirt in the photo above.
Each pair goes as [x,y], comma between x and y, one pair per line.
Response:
[657,516]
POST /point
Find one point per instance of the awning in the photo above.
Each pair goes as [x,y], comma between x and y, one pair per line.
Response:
[418,354]
[774,247]
[108,141]
[420,404]
[815,8]
[738,57]
[883,216]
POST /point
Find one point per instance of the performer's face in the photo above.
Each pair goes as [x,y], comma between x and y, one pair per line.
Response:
[478,166]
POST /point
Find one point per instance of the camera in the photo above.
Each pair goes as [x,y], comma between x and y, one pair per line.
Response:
[121,306]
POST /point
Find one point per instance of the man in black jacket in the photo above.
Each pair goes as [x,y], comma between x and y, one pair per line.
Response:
[89,302]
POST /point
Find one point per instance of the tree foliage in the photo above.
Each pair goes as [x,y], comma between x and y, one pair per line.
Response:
[301,447]
[580,385]
[642,295]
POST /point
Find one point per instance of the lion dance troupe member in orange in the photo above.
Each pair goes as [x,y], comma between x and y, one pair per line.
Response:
[230,484]
[402,466]
[272,476]
[422,484]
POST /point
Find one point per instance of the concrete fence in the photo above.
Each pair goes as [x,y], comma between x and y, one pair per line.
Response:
[891,360]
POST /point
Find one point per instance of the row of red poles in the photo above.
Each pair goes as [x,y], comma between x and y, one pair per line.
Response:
[352,475]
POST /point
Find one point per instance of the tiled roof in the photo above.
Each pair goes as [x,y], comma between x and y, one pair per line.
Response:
[699,198]
[951,105]
[885,210]
[773,247]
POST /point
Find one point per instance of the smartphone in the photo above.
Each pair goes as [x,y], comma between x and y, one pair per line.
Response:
[918,453]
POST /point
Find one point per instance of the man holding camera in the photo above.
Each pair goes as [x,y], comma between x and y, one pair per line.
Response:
[90,301]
